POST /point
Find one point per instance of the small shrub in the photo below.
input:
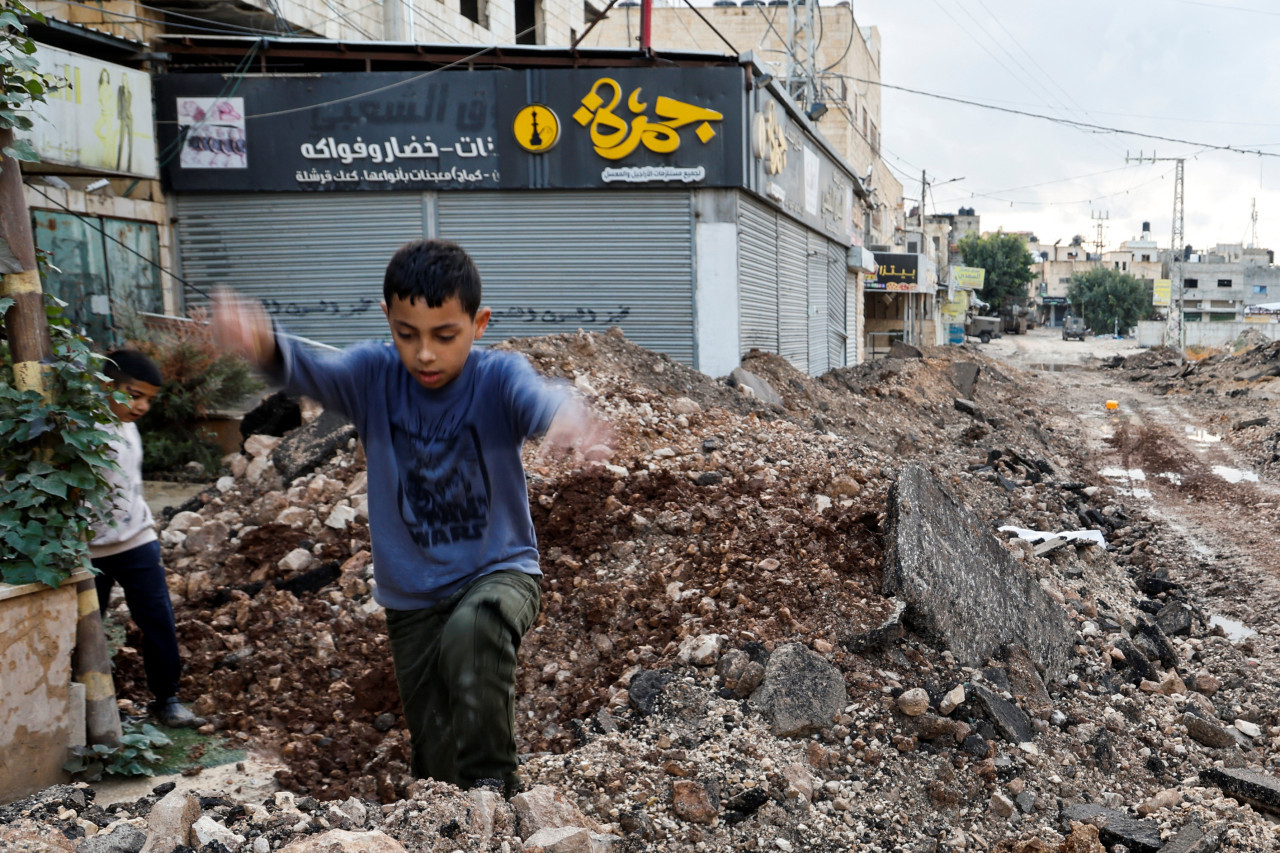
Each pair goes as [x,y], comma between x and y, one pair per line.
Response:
[199,379]
[135,756]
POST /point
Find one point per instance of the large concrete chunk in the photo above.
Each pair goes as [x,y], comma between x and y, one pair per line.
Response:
[306,449]
[1013,725]
[758,385]
[1194,838]
[801,692]
[1257,789]
[1116,827]
[962,587]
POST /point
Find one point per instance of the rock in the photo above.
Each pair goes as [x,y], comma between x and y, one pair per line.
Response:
[345,841]
[266,508]
[545,807]
[970,408]
[953,699]
[1166,799]
[1083,838]
[225,484]
[341,516]
[184,521]
[1206,683]
[1116,827]
[801,692]
[960,584]
[965,376]
[563,839]
[170,822]
[208,537]
[257,446]
[305,449]
[1153,642]
[702,650]
[695,801]
[1024,681]
[257,469]
[275,415]
[739,673]
[207,830]
[898,349]
[1207,732]
[26,836]
[294,516]
[645,688]
[1194,838]
[881,636]
[1026,802]
[913,702]
[1248,729]
[123,838]
[1001,805]
[297,560]
[1249,786]
[1008,719]
[799,782]
[741,377]
[685,406]
[354,809]
[1175,619]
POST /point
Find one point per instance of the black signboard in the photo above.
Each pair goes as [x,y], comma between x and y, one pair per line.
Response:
[547,128]
[898,272]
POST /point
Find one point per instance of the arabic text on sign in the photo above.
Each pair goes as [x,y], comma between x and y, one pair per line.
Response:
[347,153]
[614,138]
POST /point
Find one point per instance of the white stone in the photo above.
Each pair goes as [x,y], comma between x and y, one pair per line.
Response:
[685,406]
[821,503]
[341,516]
[702,650]
[297,560]
[618,471]
[238,463]
[172,538]
[257,469]
[207,829]
[360,503]
[913,702]
[954,699]
[261,845]
[259,446]
[184,521]
[294,516]
[226,484]
[359,484]
[1248,729]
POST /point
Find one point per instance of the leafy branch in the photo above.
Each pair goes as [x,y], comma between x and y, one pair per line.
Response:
[21,83]
[135,756]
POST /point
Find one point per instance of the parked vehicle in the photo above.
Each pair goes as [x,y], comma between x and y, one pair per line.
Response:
[982,328]
[1073,328]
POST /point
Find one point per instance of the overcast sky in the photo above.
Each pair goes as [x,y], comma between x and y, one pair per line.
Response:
[1202,71]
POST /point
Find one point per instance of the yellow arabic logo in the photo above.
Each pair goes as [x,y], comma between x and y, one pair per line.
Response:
[771,141]
[614,139]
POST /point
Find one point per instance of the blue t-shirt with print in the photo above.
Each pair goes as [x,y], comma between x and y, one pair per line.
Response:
[447,496]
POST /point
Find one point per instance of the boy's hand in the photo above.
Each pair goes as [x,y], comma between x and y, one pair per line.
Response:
[576,432]
[243,325]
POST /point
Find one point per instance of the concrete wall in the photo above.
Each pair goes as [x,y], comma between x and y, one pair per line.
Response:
[716,315]
[1150,333]
[37,723]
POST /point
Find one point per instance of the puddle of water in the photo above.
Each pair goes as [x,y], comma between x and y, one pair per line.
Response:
[1202,436]
[1234,475]
[1172,476]
[1124,474]
[1235,630]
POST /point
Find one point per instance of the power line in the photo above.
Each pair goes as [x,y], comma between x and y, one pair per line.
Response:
[1072,122]
[223,29]
[1088,200]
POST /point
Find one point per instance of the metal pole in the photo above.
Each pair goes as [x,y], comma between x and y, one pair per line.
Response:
[30,348]
[646,24]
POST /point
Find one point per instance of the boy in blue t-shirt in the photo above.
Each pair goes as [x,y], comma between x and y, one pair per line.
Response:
[455,556]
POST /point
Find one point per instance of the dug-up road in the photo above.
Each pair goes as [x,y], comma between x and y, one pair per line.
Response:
[1169,452]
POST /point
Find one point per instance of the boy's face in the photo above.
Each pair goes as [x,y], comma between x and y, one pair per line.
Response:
[140,395]
[433,342]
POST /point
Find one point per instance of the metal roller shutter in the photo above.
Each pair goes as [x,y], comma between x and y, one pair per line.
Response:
[793,293]
[560,261]
[837,291]
[819,352]
[757,275]
[316,260]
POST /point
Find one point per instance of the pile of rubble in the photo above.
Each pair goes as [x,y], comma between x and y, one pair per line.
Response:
[782,617]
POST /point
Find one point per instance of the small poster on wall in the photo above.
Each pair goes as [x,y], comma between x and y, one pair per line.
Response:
[213,133]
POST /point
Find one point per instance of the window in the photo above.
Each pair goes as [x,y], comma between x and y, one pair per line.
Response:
[1191,317]
[475,10]
[1064,279]
[1260,288]
[529,22]
[1224,282]
[937,244]
[913,247]
[1190,283]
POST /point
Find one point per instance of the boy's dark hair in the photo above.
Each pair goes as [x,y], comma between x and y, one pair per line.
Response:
[434,270]
[125,364]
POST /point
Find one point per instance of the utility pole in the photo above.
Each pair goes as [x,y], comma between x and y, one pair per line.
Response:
[1253,225]
[28,332]
[1101,218]
[1174,329]
[802,45]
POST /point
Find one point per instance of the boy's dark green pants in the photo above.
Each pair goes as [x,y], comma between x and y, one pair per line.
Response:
[455,665]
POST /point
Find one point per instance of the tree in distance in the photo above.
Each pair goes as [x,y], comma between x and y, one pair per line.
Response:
[1008,265]
[1108,299]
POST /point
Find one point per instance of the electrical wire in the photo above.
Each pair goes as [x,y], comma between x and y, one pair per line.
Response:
[1089,200]
[233,84]
[224,29]
[1234,149]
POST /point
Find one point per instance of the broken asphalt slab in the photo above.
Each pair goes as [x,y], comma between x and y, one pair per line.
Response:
[1116,827]
[306,449]
[1257,789]
[1194,838]
[962,588]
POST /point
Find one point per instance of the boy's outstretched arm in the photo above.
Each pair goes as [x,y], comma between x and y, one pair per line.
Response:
[243,325]
[577,430]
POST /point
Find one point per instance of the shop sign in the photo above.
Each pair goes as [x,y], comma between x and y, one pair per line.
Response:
[1161,291]
[896,273]
[98,117]
[968,278]
[794,173]
[556,129]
